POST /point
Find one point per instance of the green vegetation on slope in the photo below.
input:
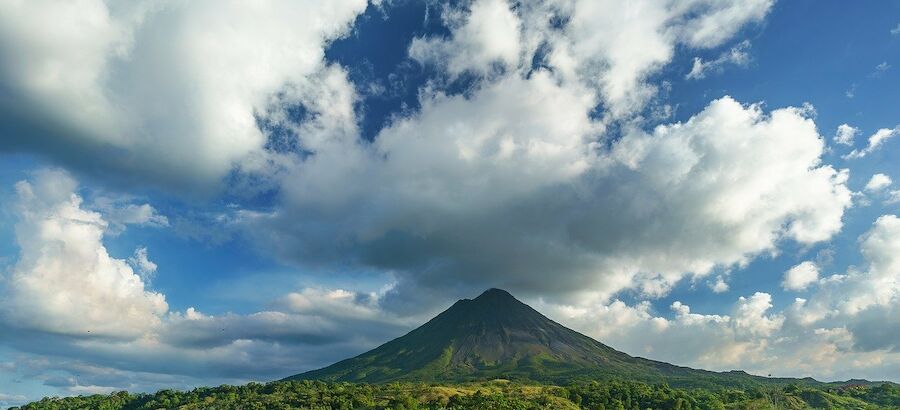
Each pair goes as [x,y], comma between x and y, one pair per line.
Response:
[492,336]
[498,394]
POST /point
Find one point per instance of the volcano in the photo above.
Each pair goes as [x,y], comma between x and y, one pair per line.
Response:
[495,336]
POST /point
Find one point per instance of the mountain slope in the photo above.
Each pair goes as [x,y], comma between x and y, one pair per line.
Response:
[497,336]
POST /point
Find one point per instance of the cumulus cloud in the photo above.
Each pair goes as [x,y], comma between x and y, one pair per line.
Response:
[845,134]
[719,285]
[860,297]
[846,328]
[875,141]
[750,316]
[68,298]
[506,185]
[737,55]
[65,281]
[800,276]
[519,176]
[609,46]
[169,92]
[617,45]
[878,182]
[720,342]
[520,146]
[487,35]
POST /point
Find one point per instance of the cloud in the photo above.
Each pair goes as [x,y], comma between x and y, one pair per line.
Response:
[168,93]
[137,214]
[750,316]
[336,303]
[520,175]
[488,34]
[505,185]
[876,140]
[855,298]
[896,30]
[145,267]
[119,213]
[846,328]
[893,197]
[12,399]
[878,182]
[720,285]
[720,342]
[65,281]
[69,300]
[851,92]
[609,46]
[845,134]
[800,276]
[461,164]
[617,45]
[738,56]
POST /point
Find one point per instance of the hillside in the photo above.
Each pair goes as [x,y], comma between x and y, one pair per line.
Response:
[497,336]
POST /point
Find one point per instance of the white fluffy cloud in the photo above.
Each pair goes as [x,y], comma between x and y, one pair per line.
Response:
[169,91]
[845,134]
[65,281]
[66,296]
[608,45]
[846,328]
[861,297]
[878,182]
[506,185]
[487,35]
[875,141]
[619,44]
[720,342]
[478,171]
[519,177]
[800,276]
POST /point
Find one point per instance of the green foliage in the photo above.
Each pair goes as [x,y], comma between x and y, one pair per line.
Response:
[496,394]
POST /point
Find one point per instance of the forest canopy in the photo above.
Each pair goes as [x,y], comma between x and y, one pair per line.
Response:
[497,394]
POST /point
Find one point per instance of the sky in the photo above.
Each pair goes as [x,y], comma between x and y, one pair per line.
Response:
[206,192]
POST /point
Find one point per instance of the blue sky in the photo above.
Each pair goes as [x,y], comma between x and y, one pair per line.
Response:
[206,193]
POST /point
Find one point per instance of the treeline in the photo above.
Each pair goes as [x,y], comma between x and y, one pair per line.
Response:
[499,395]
